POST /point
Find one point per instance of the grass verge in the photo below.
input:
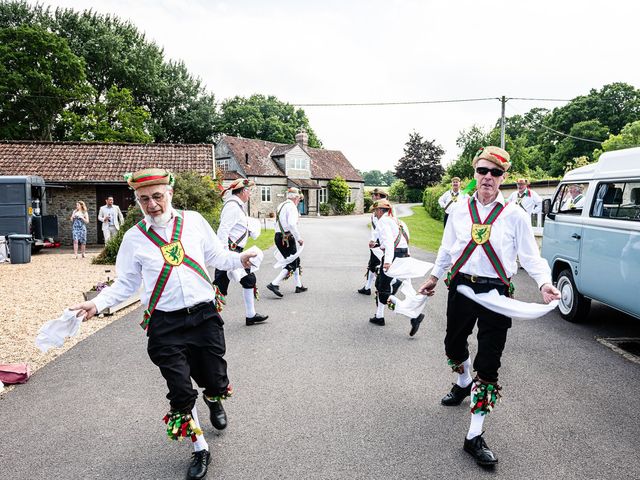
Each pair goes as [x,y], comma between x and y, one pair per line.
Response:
[426,232]
[263,242]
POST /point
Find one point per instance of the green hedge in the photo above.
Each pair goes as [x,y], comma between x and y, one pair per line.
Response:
[430,201]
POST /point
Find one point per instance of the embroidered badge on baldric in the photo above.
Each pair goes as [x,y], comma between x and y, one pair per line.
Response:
[480,233]
[173,253]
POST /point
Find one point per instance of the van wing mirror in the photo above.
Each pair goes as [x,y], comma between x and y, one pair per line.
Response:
[546,206]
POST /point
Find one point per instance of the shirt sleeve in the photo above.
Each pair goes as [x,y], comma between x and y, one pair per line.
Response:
[226,224]
[537,200]
[529,253]
[214,254]
[292,221]
[443,260]
[385,235]
[442,201]
[100,215]
[374,233]
[128,277]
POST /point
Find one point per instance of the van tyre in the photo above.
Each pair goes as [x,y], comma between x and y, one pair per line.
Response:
[574,307]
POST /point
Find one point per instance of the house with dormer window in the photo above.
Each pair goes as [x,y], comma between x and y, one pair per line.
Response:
[275,167]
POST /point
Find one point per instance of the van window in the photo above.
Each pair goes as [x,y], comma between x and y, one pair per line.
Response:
[619,200]
[570,198]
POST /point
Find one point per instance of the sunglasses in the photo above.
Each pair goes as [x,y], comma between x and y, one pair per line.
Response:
[495,172]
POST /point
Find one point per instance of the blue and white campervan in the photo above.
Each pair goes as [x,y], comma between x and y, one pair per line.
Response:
[592,235]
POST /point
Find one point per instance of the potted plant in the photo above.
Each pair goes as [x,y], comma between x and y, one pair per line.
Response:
[96,289]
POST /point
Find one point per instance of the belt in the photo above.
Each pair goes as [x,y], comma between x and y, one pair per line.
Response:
[190,310]
[476,279]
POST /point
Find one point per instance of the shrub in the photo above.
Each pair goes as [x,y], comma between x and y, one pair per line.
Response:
[348,208]
[414,195]
[108,254]
[368,201]
[325,209]
[338,190]
[398,191]
[430,201]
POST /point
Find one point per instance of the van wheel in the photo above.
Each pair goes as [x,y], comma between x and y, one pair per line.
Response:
[574,307]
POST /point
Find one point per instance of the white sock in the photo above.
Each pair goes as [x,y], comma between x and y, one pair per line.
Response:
[249,306]
[464,378]
[371,277]
[280,277]
[475,428]
[380,310]
[296,277]
[200,443]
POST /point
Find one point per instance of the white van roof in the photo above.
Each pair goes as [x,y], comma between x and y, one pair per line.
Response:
[617,164]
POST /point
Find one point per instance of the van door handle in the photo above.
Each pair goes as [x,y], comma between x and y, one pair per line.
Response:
[576,236]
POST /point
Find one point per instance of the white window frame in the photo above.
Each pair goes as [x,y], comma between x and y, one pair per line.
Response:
[223,164]
[265,194]
[323,195]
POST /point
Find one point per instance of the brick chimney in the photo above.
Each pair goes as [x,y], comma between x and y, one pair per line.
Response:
[302,138]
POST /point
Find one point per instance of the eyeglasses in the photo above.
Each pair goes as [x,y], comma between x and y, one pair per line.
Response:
[156,197]
[495,172]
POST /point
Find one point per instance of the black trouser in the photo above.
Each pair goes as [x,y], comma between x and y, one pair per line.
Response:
[221,279]
[462,314]
[286,245]
[185,346]
[383,282]
[374,262]
[446,217]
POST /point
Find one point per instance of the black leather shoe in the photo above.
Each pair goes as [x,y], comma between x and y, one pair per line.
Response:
[479,450]
[365,291]
[199,462]
[257,318]
[456,395]
[217,414]
[275,289]
[415,324]
[377,321]
[301,289]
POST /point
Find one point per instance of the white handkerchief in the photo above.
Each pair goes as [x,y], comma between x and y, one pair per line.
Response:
[378,252]
[53,333]
[239,273]
[413,303]
[408,267]
[508,306]
[254,227]
[281,261]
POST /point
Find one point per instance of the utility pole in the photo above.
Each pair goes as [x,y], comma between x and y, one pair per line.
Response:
[503,100]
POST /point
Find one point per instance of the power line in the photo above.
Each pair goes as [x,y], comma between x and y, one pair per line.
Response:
[424,102]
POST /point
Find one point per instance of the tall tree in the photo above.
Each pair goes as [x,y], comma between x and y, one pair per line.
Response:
[116,119]
[420,166]
[39,75]
[572,147]
[373,178]
[469,141]
[264,118]
[628,137]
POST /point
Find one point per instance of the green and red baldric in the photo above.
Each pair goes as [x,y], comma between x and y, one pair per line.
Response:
[480,233]
[174,255]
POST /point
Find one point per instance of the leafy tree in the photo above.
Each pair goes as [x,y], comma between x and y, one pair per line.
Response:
[39,75]
[398,191]
[420,165]
[373,178]
[116,119]
[570,148]
[389,177]
[469,141]
[629,137]
[193,191]
[265,118]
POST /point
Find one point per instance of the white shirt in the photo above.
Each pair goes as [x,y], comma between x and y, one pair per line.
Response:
[288,217]
[530,201]
[449,199]
[573,203]
[114,214]
[388,229]
[374,233]
[140,260]
[233,223]
[511,238]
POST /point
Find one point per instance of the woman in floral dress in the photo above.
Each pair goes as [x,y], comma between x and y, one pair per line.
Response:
[79,219]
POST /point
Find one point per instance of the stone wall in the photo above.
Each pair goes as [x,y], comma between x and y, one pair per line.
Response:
[62,202]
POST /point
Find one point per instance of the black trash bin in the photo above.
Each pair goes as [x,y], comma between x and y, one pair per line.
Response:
[20,248]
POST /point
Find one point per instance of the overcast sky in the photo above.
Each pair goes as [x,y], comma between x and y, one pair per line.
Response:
[342,51]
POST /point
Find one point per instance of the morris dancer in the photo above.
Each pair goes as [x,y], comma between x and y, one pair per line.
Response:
[449,199]
[503,231]
[374,262]
[233,233]
[286,238]
[169,252]
[394,241]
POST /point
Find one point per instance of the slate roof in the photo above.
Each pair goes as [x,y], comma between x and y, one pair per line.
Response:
[76,162]
[325,164]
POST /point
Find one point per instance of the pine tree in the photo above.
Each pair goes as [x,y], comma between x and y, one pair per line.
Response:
[420,166]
